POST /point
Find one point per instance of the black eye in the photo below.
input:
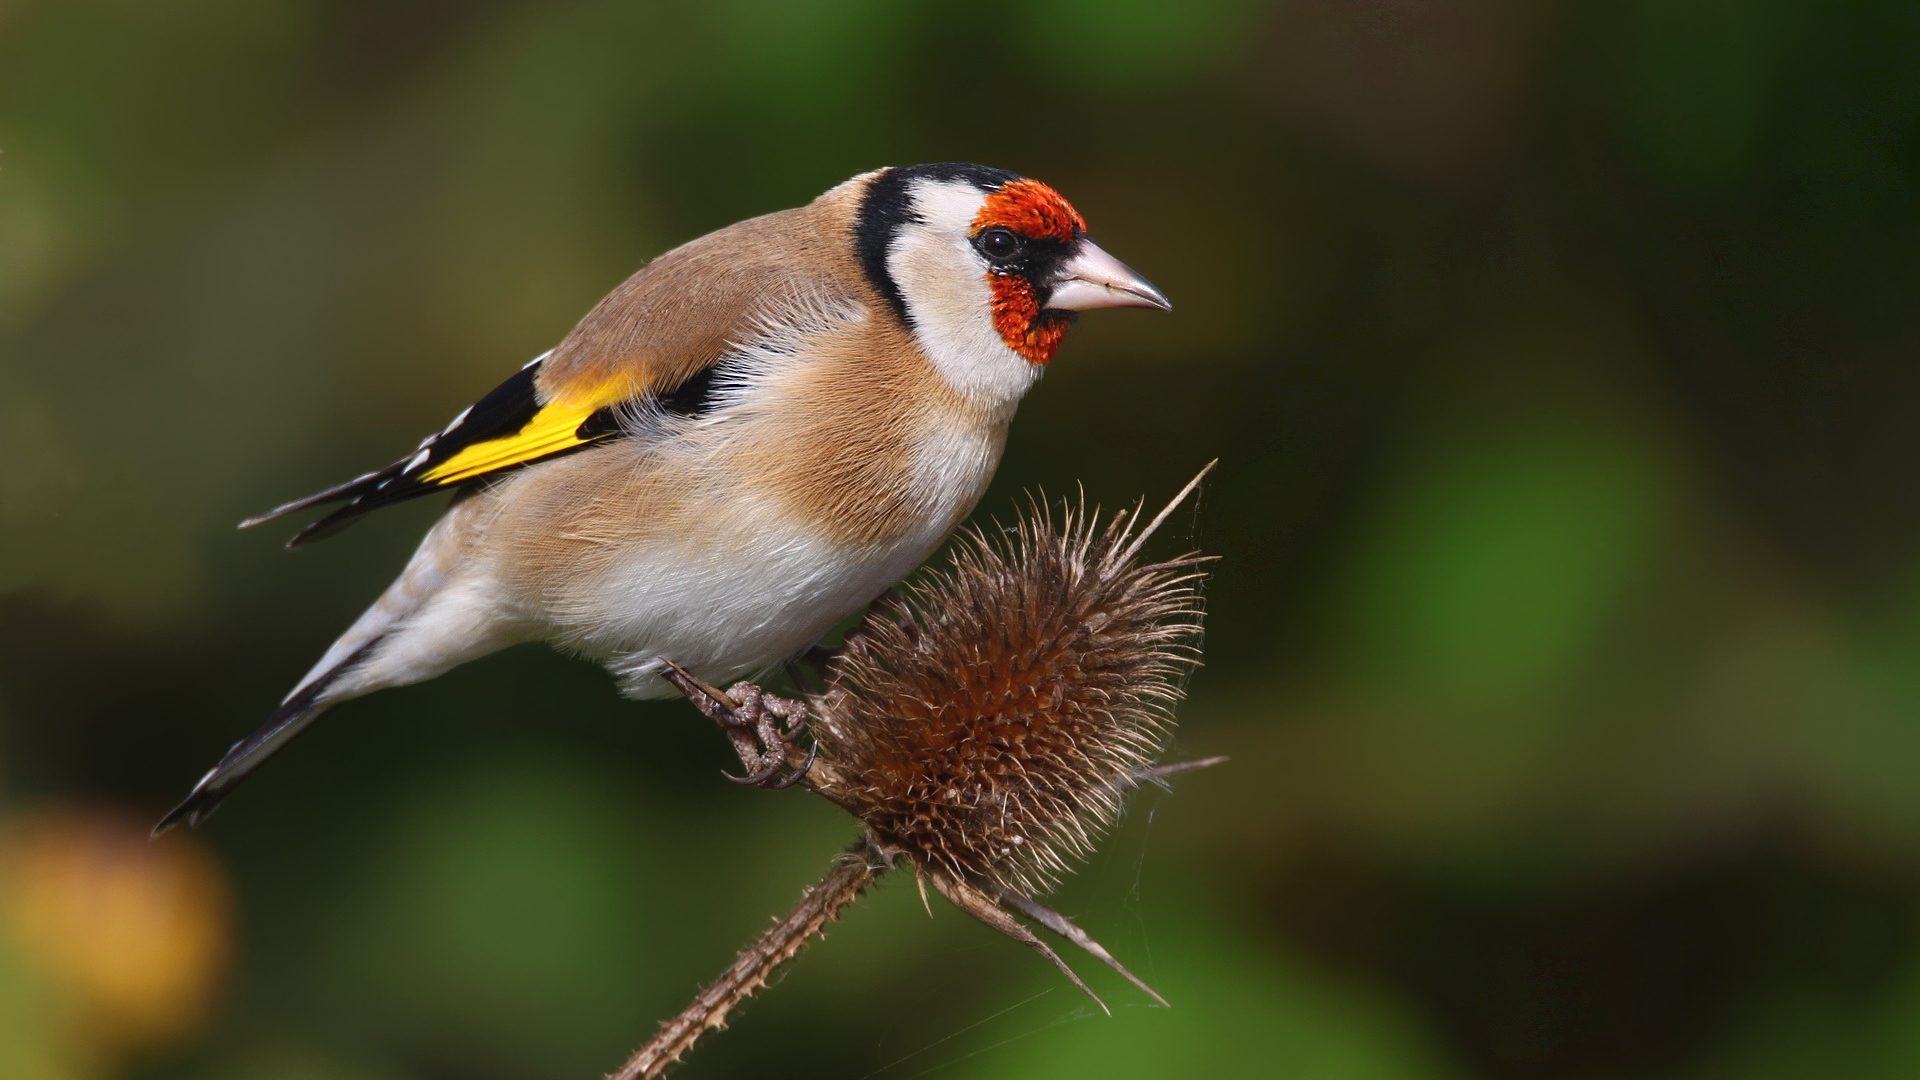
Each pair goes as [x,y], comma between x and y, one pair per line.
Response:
[999,244]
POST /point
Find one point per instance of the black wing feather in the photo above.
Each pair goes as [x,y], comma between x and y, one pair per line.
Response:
[501,413]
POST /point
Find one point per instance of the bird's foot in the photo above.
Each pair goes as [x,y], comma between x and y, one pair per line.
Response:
[747,715]
[763,745]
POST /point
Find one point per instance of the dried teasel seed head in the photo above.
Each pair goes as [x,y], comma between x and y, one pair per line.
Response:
[989,724]
[984,728]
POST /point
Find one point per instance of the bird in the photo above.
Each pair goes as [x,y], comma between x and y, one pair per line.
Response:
[756,435]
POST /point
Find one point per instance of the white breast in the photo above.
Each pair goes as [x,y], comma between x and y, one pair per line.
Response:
[751,584]
[753,588]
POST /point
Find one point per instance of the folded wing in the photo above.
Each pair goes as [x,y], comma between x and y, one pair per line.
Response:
[507,429]
[652,342]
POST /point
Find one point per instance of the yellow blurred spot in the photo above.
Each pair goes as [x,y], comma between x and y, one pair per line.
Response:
[138,932]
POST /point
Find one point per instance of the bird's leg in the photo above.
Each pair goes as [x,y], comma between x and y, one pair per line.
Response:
[746,714]
[813,657]
[891,604]
[718,707]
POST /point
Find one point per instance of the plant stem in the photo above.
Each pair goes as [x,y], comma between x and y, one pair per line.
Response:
[853,871]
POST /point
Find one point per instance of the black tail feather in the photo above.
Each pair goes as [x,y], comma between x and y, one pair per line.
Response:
[336,521]
[287,721]
[352,489]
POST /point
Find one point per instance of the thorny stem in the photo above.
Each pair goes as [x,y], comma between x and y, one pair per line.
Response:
[853,872]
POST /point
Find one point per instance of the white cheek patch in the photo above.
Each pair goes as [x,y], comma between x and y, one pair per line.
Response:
[944,283]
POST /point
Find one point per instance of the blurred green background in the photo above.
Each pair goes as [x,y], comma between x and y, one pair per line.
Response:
[1560,358]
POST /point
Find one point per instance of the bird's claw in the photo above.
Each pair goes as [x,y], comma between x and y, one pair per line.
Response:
[747,715]
[769,777]
[754,779]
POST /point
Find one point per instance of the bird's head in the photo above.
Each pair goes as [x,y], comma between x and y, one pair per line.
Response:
[987,267]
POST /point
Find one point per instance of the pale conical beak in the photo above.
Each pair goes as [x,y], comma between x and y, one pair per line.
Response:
[1091,278]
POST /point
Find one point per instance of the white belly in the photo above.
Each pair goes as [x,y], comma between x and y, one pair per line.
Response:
[751,587]
[724,608]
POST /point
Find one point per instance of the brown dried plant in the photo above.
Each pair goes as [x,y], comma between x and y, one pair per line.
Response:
[985,728]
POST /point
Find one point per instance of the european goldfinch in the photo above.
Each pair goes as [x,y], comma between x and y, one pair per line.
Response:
[750,439]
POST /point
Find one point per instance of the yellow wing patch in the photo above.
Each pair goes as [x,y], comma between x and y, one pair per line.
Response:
[507,427]
[553,429]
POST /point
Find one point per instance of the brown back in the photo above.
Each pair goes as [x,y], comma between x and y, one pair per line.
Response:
[681,312]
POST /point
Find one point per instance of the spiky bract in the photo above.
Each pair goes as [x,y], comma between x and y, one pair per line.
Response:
[990,725]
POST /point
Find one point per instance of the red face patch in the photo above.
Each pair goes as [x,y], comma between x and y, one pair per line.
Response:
[1031,209]
[1022,325]
[1037,212]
